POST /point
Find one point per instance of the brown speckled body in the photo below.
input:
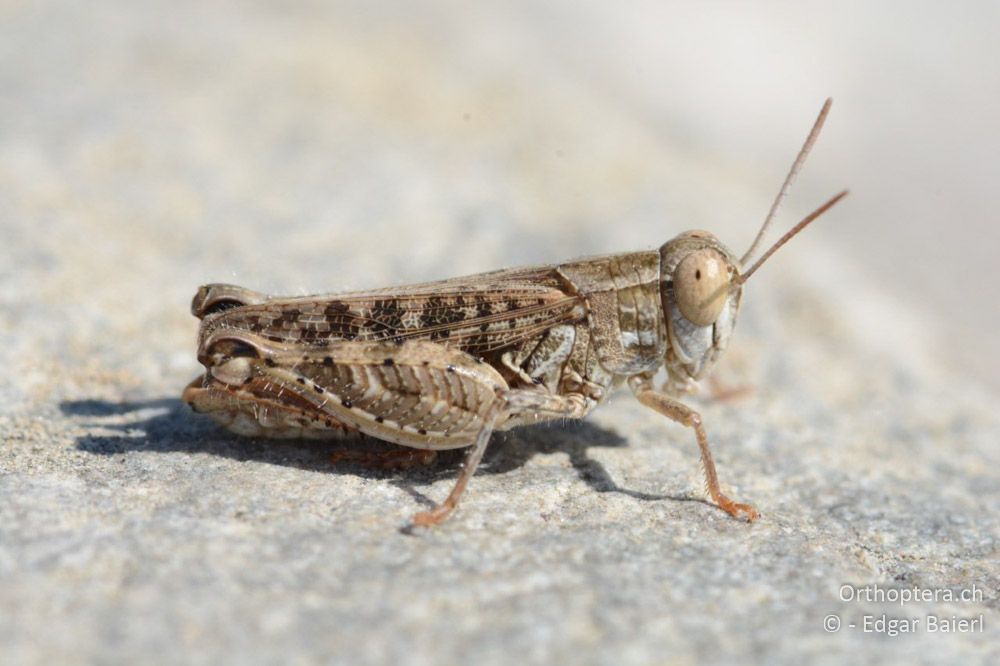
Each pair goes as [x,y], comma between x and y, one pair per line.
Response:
[442,365]
[569,330]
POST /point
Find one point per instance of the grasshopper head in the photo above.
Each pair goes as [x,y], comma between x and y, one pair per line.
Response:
[701,281]
[700,292]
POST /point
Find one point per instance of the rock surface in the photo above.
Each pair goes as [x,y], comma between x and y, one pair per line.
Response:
[149,149]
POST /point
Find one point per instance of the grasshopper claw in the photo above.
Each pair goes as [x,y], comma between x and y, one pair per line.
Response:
[734,509]
[433,517]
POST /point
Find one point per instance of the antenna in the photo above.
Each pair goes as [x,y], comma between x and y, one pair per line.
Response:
[796,165]
[743,277]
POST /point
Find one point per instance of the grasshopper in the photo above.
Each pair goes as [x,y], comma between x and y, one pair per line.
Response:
[443,365]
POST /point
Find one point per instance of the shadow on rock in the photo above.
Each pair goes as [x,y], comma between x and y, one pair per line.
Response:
[167,425]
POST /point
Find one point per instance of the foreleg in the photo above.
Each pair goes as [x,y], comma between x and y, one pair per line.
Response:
[643,389]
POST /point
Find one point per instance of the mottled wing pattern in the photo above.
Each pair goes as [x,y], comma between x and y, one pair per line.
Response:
[478,314]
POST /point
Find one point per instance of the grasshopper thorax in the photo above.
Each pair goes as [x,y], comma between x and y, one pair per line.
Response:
[700,295]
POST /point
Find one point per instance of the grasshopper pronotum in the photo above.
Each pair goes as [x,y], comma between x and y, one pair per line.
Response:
[442,365]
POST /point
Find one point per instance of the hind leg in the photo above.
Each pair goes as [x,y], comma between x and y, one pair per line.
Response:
[439,513]
[510,404]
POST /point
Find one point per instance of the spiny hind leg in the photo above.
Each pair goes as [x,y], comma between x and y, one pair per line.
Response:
[439,513]
[418,394]
[643,389]
[510,404]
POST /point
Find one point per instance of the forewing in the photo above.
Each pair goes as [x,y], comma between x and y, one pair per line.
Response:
[478,314]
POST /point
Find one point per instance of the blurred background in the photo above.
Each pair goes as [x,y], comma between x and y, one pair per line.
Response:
[179,143]
[295,147]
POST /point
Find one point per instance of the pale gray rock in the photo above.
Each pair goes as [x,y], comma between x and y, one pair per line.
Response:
[147,148]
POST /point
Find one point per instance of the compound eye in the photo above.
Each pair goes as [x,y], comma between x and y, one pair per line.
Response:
[701,284]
